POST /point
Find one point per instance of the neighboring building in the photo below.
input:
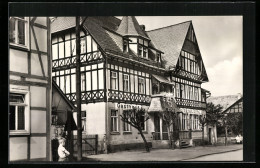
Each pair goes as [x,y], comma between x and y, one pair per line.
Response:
[230,104]
[224,101]
[29,89]
[122,66]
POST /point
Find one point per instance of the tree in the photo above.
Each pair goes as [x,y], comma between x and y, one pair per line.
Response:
[235,123]
[203,122]
[136,118]
[213,116]
[213,113]
[170,118]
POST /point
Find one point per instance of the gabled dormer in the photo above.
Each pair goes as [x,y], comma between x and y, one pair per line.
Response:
[138,41]
[181,51]
[190,59]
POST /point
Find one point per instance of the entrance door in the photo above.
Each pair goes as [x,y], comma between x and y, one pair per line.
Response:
[156,127]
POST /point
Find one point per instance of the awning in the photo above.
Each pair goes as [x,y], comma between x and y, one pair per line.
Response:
[160,103]
[162,79]
[156,105]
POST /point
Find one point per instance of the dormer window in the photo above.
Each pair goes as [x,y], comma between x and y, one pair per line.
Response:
[125,46]
[143,48]
[140,51]
[158,55]
[145,53]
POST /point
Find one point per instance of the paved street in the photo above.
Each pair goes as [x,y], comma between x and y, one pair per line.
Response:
[228,156]
[209,153]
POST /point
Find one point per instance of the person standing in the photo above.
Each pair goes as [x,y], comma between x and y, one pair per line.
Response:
[62,152]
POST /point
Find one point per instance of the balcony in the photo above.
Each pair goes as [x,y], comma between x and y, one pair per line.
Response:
[190,103]
[136,58]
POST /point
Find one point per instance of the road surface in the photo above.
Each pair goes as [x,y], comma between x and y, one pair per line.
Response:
[228,156]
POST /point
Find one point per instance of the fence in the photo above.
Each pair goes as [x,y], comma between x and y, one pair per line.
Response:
[89,144]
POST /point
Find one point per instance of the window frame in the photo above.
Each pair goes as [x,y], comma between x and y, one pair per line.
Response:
[145,129]
[126,125]
[26,105]
[116,80]
[112,120]
[26,32]
[128,83]
[142,84]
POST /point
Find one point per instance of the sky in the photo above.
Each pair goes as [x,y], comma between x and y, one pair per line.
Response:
[220,44]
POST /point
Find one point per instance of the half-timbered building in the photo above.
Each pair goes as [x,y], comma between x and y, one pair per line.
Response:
[29,89]
[122,66]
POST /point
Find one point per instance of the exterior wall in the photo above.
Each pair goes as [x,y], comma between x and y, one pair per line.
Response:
[30,72]
[95,121]
[124,140]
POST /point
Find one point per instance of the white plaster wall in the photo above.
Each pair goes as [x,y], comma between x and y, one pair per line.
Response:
[18,148]
[36,66]
[18,58]
[41,20]
[38,96]
[41,36]
[95,118]
[38,147]
[38,121]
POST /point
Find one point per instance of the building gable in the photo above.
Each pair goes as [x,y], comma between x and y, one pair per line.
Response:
[191,46]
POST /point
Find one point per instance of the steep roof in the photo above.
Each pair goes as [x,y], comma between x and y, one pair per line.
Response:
[225,101]
[170,40]
[96,26]
[130,26]
[62,23]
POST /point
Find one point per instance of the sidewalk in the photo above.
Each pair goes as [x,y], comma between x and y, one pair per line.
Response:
[164,154]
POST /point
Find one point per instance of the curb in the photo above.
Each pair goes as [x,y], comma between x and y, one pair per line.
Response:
[210,154]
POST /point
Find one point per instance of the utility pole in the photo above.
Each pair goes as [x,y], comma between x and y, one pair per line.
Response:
[78,91]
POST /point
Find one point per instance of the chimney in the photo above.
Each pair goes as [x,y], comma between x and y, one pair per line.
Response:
[142,27]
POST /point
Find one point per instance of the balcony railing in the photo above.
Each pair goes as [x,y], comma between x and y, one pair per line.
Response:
[115,95]
[136,58]
[190,103]
[71,61]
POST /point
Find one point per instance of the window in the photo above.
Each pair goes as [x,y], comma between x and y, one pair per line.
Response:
[191,95]
[127,127]
[143,123]
[196,94]
[182,91]
[184,121]
[145,53]
[125,46]
[18,31]
[141,85]
[83,82]
[83,121]
[157,57]
[126,82]
[114,83]
[140,51]
[19,112]
[196,122]
[178,90]
[114,120]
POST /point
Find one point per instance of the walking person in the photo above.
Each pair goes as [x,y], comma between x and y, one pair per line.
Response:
[62,152]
